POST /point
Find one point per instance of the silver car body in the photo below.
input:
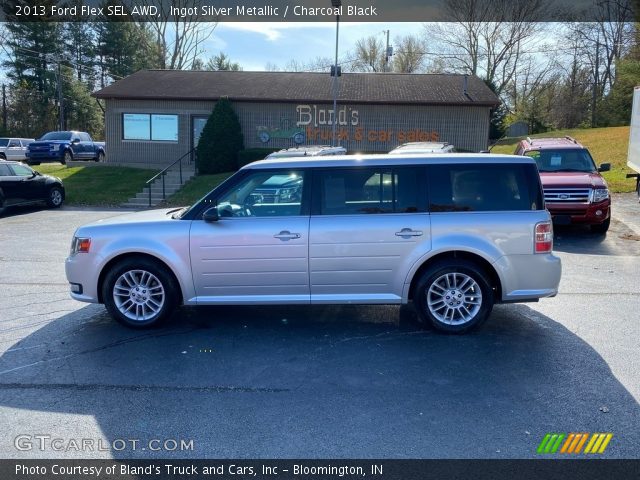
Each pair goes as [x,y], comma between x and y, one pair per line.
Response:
[14,148]
[302,259]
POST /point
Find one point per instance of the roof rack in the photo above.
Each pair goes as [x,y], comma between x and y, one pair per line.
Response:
[571,139]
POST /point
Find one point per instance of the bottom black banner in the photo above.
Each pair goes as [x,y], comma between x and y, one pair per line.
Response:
[319,469]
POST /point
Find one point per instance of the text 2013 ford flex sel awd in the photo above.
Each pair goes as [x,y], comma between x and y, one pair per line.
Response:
[453,233]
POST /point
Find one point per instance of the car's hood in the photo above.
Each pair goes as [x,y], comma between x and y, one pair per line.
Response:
[147,216]
[47,142]
[572,179]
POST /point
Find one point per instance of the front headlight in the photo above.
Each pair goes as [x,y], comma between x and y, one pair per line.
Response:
[80,245]
[55,147]
[599,194]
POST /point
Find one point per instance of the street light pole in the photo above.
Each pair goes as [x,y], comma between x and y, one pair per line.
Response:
[336,4]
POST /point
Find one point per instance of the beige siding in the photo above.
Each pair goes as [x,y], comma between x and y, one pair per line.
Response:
[378,128]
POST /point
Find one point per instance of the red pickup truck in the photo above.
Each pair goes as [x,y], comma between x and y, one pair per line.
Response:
[574,190]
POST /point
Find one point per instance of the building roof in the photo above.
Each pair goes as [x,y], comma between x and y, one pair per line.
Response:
[302,87]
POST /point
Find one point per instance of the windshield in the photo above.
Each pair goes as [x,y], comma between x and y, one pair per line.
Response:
[563,160]
[4,142]
[56,136]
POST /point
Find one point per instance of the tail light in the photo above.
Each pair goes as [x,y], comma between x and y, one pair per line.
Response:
[543,240]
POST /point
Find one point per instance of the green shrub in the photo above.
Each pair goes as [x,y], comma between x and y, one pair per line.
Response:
[221,140]
[252,154]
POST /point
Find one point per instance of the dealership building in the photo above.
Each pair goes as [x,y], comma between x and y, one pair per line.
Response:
[155,116]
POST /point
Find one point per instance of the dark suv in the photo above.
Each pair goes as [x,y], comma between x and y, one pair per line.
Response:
[574,190]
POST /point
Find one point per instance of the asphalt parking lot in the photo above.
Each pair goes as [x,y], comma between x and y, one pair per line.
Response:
[318,382]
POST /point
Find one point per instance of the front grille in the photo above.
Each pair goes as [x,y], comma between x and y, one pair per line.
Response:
[567,195]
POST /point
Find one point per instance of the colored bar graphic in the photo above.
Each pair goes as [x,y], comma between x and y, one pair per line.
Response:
[582,442]
[596,443]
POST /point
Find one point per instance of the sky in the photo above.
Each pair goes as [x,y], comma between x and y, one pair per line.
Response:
[254,45]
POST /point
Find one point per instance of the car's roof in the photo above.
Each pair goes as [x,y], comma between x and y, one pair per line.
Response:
[386,159]
[551,142]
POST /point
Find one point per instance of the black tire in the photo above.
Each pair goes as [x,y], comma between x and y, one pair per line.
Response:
[3,156]
[66,157]
[477,289]
[601,227]
[55,197]
[141,291]
[99,157]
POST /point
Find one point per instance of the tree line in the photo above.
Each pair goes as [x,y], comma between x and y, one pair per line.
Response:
[549,75]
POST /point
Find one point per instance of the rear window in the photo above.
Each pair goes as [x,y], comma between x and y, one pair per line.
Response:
[370,190]
[484,188]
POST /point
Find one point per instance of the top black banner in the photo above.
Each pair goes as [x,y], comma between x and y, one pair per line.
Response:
[320,10]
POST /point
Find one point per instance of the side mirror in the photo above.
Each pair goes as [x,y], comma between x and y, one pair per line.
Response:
[211,215]
[605,167]
[75,141]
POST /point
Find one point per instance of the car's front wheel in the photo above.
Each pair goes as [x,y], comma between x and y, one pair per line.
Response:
[140,293]
[100,157]
[454,296]
[55,197]
[67,157]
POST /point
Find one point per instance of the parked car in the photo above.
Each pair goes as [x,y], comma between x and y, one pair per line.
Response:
[423,147]
[574,190]
[14,148]
[453,233]
[308,151]
[63,147]
[21,185]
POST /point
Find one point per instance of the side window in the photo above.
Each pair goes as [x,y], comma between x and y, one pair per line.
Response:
[370,191]
[85,137]
[4,171]
[13,143]
[264,194]
[486,187]
[22,171]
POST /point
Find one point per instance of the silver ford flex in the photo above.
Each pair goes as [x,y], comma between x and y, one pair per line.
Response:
[452,233]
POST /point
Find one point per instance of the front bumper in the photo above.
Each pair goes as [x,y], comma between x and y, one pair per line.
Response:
[44,155]
[82,277]
[586,214]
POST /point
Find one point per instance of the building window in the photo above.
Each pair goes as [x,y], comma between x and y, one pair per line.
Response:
[145,126]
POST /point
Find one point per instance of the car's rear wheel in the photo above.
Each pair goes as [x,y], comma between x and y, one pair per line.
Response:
[3,156]
[55,197]
[454,296]
[140,293]
[601,227]
[67,157]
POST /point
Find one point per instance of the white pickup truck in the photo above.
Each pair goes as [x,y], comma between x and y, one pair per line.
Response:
[633,156]
[14,148]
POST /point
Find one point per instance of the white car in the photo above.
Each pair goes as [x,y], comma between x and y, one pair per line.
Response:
[307,151]
[423,147]
[14,148]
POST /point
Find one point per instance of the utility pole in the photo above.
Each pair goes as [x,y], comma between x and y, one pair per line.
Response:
[60,100]
[4,109]
[594,95]
[386,52]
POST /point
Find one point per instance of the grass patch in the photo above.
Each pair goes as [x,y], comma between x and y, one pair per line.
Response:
[607,145]
[195,189]
[102,186]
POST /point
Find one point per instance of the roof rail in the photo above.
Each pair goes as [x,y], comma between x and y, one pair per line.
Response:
[571,139]
[529,140]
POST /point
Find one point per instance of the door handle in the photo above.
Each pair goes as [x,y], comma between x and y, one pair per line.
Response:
[286,235]
[407,232]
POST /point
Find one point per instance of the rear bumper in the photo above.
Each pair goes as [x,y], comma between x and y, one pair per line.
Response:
[526,278]
[589,214]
